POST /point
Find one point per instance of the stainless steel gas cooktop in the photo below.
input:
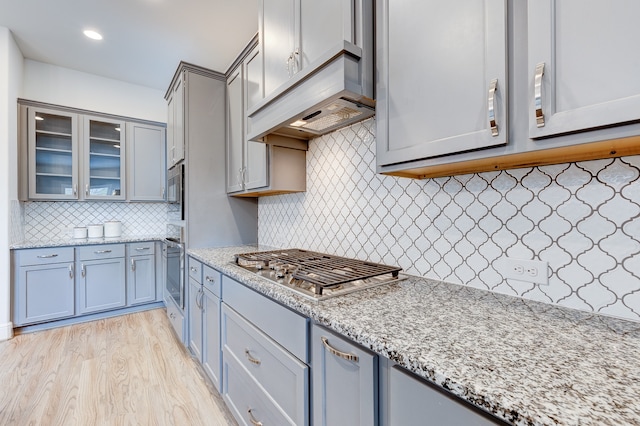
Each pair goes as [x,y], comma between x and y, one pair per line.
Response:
[318,276]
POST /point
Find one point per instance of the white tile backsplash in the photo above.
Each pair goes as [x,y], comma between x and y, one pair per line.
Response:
[583,218]
[54,220]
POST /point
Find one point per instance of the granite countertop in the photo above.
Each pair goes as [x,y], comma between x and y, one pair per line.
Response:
[527,362]
[61,242]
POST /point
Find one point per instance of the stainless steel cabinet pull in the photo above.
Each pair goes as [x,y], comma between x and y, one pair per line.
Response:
[71,271]
[251,359]
[295,59]
[172,315]
[75,189]
[192,269]
[86,189]
[344,355]
[252,419]
[133,265]
[82,272]
[47,256]
[102,251]
[493,88]
[199,298]
[209,279]
[163,189]
[143,248]
[538,94]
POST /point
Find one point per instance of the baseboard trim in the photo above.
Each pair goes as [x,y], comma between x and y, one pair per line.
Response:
[6,331]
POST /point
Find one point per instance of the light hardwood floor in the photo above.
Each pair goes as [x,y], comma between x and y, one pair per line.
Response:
[128,370]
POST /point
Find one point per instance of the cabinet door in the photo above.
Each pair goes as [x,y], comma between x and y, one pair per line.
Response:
[178,122]
[591,58]
[146,162]
[52,154]
[211,337]
[141,280]
[45,292]
[101,285]
[436,67]
[254,88]
[413,402]
[344,381]
[235,135]
[194,309]
[104,159]
[324,25]
[171,118]
[277,27]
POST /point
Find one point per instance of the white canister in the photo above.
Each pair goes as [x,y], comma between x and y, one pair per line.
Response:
[95,231]
[112,228]
[80,232]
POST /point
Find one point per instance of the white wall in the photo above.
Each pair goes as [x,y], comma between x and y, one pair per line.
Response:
[67,87]
[11,63]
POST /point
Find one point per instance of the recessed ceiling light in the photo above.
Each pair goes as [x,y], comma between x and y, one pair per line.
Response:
[94,35]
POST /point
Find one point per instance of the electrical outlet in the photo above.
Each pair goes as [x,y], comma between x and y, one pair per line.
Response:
[532,271]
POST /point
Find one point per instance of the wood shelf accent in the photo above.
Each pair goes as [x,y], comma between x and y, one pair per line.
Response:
[584,152]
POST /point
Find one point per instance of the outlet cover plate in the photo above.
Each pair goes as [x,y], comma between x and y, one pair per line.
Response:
[531,271]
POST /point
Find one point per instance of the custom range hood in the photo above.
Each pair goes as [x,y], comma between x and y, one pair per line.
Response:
[334,91]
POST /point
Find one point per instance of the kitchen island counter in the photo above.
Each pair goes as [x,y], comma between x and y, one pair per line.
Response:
[527,362]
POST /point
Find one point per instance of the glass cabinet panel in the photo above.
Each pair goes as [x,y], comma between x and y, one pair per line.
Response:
[104,168]
[52,145]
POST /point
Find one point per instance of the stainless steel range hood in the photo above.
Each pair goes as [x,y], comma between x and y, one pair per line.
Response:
[334,92]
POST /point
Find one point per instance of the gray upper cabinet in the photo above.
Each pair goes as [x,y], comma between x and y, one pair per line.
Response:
[442,72]
[71,154]
[104,158]
[277,26]
[146,166]
[52,144]
[582,65]
[175,122]
[257,168]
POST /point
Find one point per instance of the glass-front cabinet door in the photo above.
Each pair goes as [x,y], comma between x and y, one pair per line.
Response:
[53,148]
[104,159]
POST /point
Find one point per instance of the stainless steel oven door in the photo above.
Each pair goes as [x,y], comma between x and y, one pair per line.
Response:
[173,259]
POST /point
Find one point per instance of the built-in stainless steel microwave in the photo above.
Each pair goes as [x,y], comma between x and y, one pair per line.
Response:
[175,187]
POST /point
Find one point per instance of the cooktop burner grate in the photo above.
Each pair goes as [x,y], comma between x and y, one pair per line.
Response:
[321,270]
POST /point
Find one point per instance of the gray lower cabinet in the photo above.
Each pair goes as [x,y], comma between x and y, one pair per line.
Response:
[203,306]
[411,401]
[100,278]
[264,376]
[344,381]
[141,275]
[44,287]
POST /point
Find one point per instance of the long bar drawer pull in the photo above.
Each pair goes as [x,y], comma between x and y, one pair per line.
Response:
[344,355]
[251,359]
[252,419]
[102,251]
[493,88]
[538,94]
[47,256]
[143,248]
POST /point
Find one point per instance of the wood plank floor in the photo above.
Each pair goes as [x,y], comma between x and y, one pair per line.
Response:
[127,370]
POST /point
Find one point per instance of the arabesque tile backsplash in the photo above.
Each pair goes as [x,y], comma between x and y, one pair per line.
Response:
[583,218]
[53,220]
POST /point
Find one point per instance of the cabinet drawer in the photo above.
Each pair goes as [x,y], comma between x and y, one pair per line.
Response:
[43,256]
[103,251]
[195,269]
[176,319]
[247,401]
[283,325]
[281,375]
[211,279]
[139,249]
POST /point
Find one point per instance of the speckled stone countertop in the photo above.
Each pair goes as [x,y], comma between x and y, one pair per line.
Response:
[61,242]
[527,362]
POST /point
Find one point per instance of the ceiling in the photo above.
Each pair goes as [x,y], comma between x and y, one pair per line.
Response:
[144,40]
